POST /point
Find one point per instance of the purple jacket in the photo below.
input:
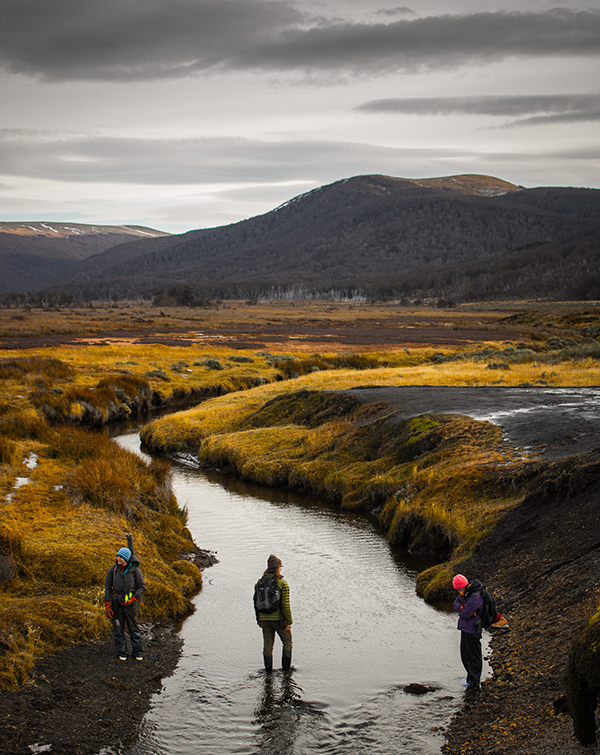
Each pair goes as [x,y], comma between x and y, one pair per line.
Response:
[469,607]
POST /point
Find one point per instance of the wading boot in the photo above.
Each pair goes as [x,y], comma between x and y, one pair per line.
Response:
[268,659]
[286,660]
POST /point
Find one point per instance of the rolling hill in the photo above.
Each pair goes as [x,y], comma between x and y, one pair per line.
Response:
[455,238]
[32,253]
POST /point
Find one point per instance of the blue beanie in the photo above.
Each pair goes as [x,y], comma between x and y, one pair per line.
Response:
[125,553]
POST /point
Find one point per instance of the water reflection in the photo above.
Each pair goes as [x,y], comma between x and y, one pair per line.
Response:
[360,636]
[282,718]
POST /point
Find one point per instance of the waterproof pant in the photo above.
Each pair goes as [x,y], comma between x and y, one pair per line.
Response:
[269,628]
[470,655]
[126,617]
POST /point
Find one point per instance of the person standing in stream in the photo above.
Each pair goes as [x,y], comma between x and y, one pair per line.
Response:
[273,613]
[123,588]
[468,603]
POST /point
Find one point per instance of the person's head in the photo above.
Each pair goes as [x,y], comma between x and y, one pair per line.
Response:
[123,556]
[460,583]
[274,565]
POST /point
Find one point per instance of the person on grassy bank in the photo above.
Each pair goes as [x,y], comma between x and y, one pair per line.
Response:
[469,603]
[123,588]
[273,612]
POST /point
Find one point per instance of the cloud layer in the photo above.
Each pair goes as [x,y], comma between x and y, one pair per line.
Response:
[226,161]
[527,109]
[137,40]
[209,160]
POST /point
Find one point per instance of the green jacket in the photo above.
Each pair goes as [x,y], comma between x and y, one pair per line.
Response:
[285,612]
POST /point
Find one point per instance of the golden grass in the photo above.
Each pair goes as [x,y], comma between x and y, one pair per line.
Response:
[60,532]
[438,479]
[186,430]
[438,482]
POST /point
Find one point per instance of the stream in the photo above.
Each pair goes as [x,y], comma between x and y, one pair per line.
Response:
[360,635]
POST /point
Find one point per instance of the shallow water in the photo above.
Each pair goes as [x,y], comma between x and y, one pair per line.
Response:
[360,635]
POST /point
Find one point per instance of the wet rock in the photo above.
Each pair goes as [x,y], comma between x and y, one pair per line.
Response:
[419,689]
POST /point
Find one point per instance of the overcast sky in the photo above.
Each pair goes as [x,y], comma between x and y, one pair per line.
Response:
[183,114]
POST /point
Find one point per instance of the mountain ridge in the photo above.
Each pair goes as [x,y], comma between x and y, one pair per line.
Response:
[385,236]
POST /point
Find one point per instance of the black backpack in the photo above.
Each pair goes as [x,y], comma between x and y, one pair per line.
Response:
[266,595]
[488,610]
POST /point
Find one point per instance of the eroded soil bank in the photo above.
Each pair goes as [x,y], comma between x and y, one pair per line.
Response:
[542,562]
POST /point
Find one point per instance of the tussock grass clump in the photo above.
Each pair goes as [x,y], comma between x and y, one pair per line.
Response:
[21,423]
[113,398]
[8,451]
[292,366]
[120,481]
[45,367]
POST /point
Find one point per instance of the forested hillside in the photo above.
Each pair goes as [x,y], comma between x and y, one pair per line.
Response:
[458,238]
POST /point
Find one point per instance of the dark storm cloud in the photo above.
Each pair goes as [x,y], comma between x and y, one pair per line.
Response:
[152,39]
[527,109]
[133,39]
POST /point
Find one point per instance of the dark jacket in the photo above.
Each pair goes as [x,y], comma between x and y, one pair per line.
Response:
[469,608]
[119,582]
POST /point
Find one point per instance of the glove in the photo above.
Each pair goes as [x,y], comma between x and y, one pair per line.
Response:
[129,599]
[109,612]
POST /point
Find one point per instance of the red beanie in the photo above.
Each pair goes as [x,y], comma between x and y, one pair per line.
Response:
[459,582]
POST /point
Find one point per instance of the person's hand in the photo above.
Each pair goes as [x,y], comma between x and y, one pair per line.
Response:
[109,612]
[288,628]
[130,600]
[259,624]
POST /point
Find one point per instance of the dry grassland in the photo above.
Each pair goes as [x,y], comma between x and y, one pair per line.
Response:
[69,495]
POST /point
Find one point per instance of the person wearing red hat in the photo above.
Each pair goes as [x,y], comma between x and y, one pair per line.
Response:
[468,603]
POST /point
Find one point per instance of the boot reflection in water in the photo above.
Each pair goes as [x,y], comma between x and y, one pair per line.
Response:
[273,613]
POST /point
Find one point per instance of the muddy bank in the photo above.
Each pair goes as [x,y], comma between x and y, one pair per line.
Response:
[542,562]
[84,699]
[551,422]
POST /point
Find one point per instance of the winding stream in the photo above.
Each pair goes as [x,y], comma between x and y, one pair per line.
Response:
[360,635]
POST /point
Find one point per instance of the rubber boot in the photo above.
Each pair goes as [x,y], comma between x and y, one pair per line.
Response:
[268,659]
[286,660]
